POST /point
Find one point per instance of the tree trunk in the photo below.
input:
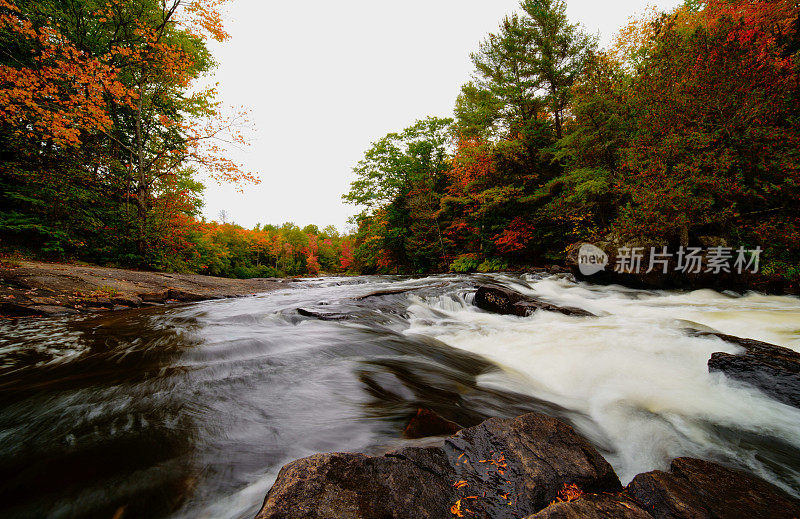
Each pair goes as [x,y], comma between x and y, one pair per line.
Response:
[142,191]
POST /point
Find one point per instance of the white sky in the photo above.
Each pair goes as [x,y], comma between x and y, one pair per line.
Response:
[322,80]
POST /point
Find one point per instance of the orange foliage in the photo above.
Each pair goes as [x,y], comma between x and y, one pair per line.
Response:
[62,93]
[568,493]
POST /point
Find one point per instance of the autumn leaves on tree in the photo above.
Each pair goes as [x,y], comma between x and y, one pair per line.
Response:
[104,131]
[685,130]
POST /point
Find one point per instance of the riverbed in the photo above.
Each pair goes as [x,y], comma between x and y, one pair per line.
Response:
[191,410]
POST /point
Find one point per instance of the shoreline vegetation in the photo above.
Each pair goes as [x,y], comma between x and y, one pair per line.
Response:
[43,289]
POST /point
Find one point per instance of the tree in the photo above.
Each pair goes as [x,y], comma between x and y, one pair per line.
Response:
[529,66]
[559,51]
[715,147]
[402,177]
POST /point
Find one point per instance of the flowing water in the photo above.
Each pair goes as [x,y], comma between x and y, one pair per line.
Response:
[191,410]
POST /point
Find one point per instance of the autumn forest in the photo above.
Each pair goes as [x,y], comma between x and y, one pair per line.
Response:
[685,131]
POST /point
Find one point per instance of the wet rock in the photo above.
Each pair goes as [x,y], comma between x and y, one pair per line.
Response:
[697,489]
[428,423]
[24,310]
[155,297]
[325,316]
[592,506]
[505,301]
[775,370]
[503,468]
[184,296]
[359,486]
[127,300]
[47,301]
[55,310]
[537,270]
[666,496]
[518,466]
[17,310]
[101,302]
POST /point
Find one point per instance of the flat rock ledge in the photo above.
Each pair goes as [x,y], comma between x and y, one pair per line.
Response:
[39,289]
[532,466]
[502,300]
[773,369]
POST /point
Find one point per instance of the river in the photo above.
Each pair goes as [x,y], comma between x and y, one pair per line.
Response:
[191,410]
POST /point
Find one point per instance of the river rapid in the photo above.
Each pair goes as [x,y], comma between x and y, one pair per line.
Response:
[191,410]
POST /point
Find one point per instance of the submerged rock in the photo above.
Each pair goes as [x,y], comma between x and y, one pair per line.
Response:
[427,423]
[505,301]
[700,489]
[503,468]
[775,370]
[324,316]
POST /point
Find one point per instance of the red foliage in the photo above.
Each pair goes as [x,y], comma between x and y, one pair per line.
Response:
[515,237]
[347,255]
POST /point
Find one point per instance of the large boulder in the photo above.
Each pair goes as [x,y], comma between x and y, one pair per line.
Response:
[518,466]
[338,485]
[502,300]
[697,489]
[532,466]
[503,468]
[775,370]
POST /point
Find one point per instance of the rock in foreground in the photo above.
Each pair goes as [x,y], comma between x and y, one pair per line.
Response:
[501,468]
[502,300]
[513,468]
[518,466]
[701,489]
[359,486]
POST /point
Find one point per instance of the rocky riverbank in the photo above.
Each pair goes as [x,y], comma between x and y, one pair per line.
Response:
[32,288]
[532,466]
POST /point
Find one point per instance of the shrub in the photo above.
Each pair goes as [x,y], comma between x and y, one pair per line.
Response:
[465,263]
[493,265]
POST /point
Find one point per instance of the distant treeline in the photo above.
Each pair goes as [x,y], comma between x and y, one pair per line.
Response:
[230,250]
[684,132]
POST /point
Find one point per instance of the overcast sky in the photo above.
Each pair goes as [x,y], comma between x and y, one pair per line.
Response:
[322,80]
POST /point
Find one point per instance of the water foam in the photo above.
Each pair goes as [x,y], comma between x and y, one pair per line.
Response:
[641,380]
